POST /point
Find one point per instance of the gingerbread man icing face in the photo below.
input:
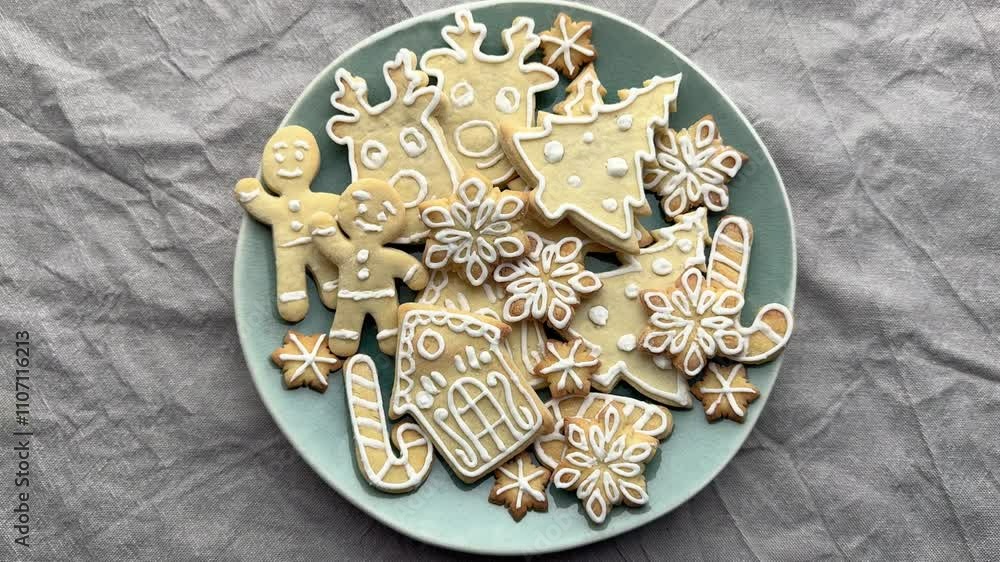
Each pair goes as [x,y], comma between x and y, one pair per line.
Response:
[290,161]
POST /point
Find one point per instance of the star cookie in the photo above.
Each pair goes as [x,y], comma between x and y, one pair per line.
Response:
[305,361]
[566,46]
[520,486]
[725,392]
[567,366]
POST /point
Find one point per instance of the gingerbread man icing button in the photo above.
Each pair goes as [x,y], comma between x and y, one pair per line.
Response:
[368,217]
[288,167]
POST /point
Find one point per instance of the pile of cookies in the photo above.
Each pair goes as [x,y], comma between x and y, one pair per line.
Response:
[508,202]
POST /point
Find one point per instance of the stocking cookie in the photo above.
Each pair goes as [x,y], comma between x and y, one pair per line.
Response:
[370,214]
[453,379]
[484,90]
[472,230]
[698,319]
[567,46]
[383,468]
[399,140]
[520,486]
[725,392]
[288,167]
[589,169]
[526,341]
[305,361]
[650,419]
[611,322]
[692,168]
[547,283]
[604,462]
[567,366]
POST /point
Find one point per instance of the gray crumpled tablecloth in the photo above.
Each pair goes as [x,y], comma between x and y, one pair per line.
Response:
[123,126]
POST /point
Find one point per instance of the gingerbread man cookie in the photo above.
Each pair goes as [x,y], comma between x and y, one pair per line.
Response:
[288,167]
[484,90]
[398,140]
[567,45]
[370,213]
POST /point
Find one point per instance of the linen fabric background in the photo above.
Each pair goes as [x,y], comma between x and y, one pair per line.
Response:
[124,125]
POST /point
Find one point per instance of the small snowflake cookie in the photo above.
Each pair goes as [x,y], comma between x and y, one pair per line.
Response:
[547,283]
[475,228]
[305,361]
[567,366]
[725,392]
[604,462]
[520,486]
[692,168]
[567,47]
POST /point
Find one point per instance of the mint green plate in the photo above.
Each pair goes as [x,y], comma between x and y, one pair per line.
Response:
[444,511]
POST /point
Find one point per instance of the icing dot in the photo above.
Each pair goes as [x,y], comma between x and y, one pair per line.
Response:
[617,167]
[362,208]
[626,342]
[381,217]
[624,122]
[631,290]
[294,205]
[609,204]
[598,315]
[661,361]
[662,267]
[363,273]
[684,245]
[362,256]
[296,226]
[553,152]
[424,400]
[574,181]
[485,357]
[588,137]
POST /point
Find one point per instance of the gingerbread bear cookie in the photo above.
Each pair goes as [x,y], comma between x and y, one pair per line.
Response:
[692,168]
[399,140]
[474,229]
[611,322]
[604,462]
[485,90]
[725,392]
[566,46]
[650,419]
[370,213]
[288,167]
[452,377]
[526,341]
[520,487]
[384,469]
[588,169]
[699,318]
[305,361]
[567,366]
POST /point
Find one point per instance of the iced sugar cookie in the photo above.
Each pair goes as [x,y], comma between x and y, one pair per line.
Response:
[288,168]
[520,487]
[725,392]
[567,367]
[305,361]
[566,46]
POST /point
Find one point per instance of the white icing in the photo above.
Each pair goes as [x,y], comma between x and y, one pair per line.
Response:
[362,256]
[521,482]
[624,122]
[424,350]
[373,154]
[574,181]
[598,315]
[388,206]
[279,145]
[609,204]
[345,335]
[330,286]
[414,142]
[363,273]
[248,196]
[299,155]
[367,226]
[283,173]
[297,242]
[327,231]
[362,208]
[291,296]
[294,205]
[279,157]
[684,245]
[308,358]
[507,99]
[384,469]
[386,333]
[484,153]
[411,272]
[421,181]
[361,195]
[632,290]
[424,400]
[617,167]
[588,137]
[553,152]
[727,390]
[462,94]
[381,216]
[662,267]
[366,295]
[566,45]
[295,225]
[301,144]
[627,342]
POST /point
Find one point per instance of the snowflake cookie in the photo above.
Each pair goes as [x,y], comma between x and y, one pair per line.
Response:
[482,90]
[520,486]
[305,361]
[692,168]
[473,229]
[699,318]
[547,283]
[604,462]
[567,366]
[566,46]
[725,392]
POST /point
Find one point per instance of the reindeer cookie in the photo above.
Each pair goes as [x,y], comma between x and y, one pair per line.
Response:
[398,140]
[370,213]
[288,167]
